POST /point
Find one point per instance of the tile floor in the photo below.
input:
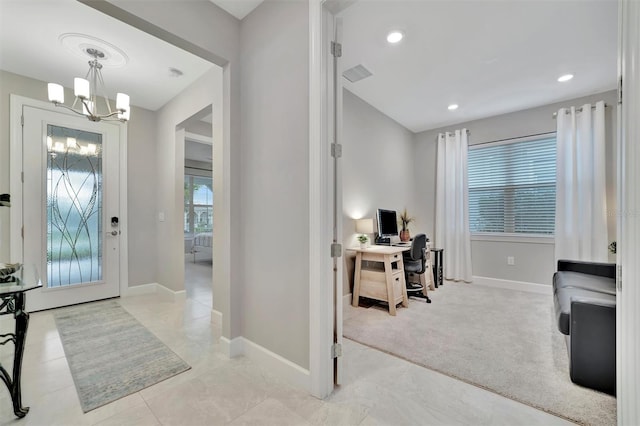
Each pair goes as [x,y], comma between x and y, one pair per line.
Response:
[379,389]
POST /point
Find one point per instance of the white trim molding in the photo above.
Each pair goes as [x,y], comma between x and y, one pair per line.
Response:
[165,293]
[216,318]
[513,285]
[628,239]
[283,368]
[320,286]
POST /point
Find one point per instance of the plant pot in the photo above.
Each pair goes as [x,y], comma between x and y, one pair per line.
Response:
[363,245]
[404,236]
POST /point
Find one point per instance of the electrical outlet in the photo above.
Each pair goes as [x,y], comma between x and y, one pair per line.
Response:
[161,216]
[511,260]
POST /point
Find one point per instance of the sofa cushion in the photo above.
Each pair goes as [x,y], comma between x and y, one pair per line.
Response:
[562,303]
[585,281]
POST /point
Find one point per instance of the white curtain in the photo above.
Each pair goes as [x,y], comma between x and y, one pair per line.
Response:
[452,206]
[581,203]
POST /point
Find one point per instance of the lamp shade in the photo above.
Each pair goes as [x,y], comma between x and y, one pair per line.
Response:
[364,226]
[81,88]
[122,101]
[56,93]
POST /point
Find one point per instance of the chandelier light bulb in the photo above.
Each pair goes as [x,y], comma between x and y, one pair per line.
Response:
[56,93]
[81,88]
[122,102]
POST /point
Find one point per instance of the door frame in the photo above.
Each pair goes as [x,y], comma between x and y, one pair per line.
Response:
[16,105]
[628,227]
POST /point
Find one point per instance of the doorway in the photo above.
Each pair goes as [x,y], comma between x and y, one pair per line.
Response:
[71,228]
[198,206]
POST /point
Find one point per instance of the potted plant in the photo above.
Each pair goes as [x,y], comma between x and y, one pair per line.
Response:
[363,240]
[406,220]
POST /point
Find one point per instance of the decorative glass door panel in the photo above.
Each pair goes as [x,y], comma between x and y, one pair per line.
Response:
[71,207]
[74,206]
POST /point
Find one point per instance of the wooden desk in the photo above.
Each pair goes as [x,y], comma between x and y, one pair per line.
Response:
[388,285]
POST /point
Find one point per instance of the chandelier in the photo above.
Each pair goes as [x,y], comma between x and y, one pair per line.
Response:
[87,91]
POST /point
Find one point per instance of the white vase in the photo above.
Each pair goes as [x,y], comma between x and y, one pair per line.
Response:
[363,245]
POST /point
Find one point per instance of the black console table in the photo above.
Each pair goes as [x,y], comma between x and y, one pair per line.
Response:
[12,302]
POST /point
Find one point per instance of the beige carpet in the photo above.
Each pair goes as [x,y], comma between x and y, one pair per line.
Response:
[502,340]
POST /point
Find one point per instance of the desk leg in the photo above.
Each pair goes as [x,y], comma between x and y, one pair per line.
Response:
[403,285]
[391,299]
[355,302]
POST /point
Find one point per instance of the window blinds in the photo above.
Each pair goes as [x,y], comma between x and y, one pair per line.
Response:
[512,187]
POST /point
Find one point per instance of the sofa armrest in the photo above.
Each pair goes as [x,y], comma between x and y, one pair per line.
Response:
[591,268]
[593,344]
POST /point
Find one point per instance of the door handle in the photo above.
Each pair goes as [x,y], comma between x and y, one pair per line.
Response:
[114,233]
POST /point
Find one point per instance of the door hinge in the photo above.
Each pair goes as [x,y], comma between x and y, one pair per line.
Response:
[22,120]
[336,49]
[619,277]
[22,232]
[620,90]
[336,150]
[336,250]
[22,177]
[336,350]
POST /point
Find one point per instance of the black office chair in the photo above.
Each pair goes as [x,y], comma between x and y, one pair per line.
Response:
[415,261]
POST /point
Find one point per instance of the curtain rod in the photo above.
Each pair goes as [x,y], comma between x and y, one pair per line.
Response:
[511,139]
[555,114]
[453,132]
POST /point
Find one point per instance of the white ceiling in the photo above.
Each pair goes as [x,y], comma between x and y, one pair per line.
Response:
[197,151]
[489,57]
[30,46]
[238,8]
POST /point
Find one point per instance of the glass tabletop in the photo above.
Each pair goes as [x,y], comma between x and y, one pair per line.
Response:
[24,279]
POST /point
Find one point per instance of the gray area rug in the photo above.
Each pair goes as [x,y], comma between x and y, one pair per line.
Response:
[505,341]
[110,354]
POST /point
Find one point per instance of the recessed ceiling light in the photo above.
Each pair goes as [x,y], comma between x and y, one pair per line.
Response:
[452,107]
[394,36]
[565,77]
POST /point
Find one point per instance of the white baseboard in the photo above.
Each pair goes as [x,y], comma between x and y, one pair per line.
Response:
[155,288]
[290,372]
[140,290]
[216,317]
[347,298]
[513,285]
[232,348]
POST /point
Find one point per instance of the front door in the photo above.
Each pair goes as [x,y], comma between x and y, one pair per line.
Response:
[70,210]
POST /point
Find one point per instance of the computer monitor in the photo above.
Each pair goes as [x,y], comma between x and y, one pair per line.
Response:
[387,223]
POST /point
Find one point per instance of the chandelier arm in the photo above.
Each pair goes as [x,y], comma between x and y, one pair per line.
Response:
[58,104]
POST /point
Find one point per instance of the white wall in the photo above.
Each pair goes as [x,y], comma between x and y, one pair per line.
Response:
[141,172]
[207,90]
[275,184]
[377,171]
[534,261]
[202,28]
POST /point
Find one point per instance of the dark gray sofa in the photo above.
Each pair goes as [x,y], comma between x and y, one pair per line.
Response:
[584,296]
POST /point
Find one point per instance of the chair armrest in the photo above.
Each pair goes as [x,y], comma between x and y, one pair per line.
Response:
[607,270]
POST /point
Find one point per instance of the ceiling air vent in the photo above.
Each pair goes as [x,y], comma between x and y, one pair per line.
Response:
[356,73]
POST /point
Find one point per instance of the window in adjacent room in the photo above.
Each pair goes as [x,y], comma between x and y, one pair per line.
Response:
[512,186]
[198,204]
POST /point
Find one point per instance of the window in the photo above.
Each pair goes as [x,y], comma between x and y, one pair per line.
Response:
[512,186]
[198,204]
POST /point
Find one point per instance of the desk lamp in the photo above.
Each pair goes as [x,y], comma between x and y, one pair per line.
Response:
[363,227]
